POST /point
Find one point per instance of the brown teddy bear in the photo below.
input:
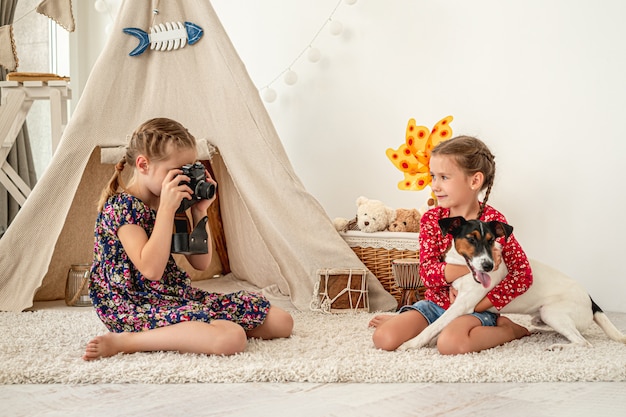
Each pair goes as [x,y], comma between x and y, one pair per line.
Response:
[407,220]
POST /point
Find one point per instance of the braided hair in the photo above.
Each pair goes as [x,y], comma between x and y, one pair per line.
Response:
[155,139]
[472,155]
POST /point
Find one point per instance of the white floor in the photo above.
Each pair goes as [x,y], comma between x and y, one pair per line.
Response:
[301,400]
[604,399]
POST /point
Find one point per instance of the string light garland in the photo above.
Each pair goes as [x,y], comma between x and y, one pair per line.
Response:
[290,77]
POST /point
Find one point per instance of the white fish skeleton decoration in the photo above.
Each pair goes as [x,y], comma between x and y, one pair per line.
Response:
[165,36]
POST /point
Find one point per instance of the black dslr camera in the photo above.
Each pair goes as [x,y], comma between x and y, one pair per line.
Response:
[184,240]
[201,189]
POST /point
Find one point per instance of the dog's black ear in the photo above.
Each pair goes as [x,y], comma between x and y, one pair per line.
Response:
[451,224]
[501,229]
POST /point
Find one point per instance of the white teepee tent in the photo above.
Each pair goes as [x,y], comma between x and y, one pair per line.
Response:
[277,233]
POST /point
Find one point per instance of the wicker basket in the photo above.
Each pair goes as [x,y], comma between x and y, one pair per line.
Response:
[378,250]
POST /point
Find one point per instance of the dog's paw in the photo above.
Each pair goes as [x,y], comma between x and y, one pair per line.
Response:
[410,345]
[405,347]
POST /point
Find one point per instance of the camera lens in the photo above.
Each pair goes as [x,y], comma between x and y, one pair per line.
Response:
[204,190]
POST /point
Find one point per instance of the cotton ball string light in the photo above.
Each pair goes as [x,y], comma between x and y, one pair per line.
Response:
[269,95]
[314,54]
[335,27]
[101,6]
[290,77]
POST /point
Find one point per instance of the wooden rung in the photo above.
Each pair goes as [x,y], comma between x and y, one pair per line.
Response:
[12,115]
[12,189]
[33,83]
[16,179]
[58,83]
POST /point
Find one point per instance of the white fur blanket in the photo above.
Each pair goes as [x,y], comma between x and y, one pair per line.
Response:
[45,347]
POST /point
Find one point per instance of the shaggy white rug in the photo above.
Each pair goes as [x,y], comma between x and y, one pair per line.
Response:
[45,347]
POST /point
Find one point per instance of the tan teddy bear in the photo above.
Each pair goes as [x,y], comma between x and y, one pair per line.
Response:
[372,216]
[407,220]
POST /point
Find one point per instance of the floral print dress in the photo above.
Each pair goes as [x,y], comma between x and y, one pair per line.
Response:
[127,301]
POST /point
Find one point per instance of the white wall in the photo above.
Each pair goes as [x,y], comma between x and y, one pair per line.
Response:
[541,82]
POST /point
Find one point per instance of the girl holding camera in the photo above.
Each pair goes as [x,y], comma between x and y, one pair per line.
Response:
[140,294]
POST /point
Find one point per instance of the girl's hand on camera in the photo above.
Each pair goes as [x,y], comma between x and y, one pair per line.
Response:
[173,191]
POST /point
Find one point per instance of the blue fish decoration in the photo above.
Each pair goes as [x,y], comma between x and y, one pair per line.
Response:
[165,36]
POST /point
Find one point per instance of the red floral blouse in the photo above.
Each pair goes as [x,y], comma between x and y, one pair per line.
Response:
[433,248]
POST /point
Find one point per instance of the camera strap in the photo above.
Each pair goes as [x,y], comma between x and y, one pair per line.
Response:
[189,243]
[199,239]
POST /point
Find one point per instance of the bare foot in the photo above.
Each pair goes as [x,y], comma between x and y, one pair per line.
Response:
[378,320]
[518,331]
[103,346]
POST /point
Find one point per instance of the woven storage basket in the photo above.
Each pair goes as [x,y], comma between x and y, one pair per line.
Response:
[378,250]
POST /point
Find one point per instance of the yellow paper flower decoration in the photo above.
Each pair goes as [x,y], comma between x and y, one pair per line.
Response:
[413,157]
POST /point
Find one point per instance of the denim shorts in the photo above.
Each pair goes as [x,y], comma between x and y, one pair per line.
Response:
[432,312]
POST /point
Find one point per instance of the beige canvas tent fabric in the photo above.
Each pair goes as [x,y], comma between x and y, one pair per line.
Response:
[277,233]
